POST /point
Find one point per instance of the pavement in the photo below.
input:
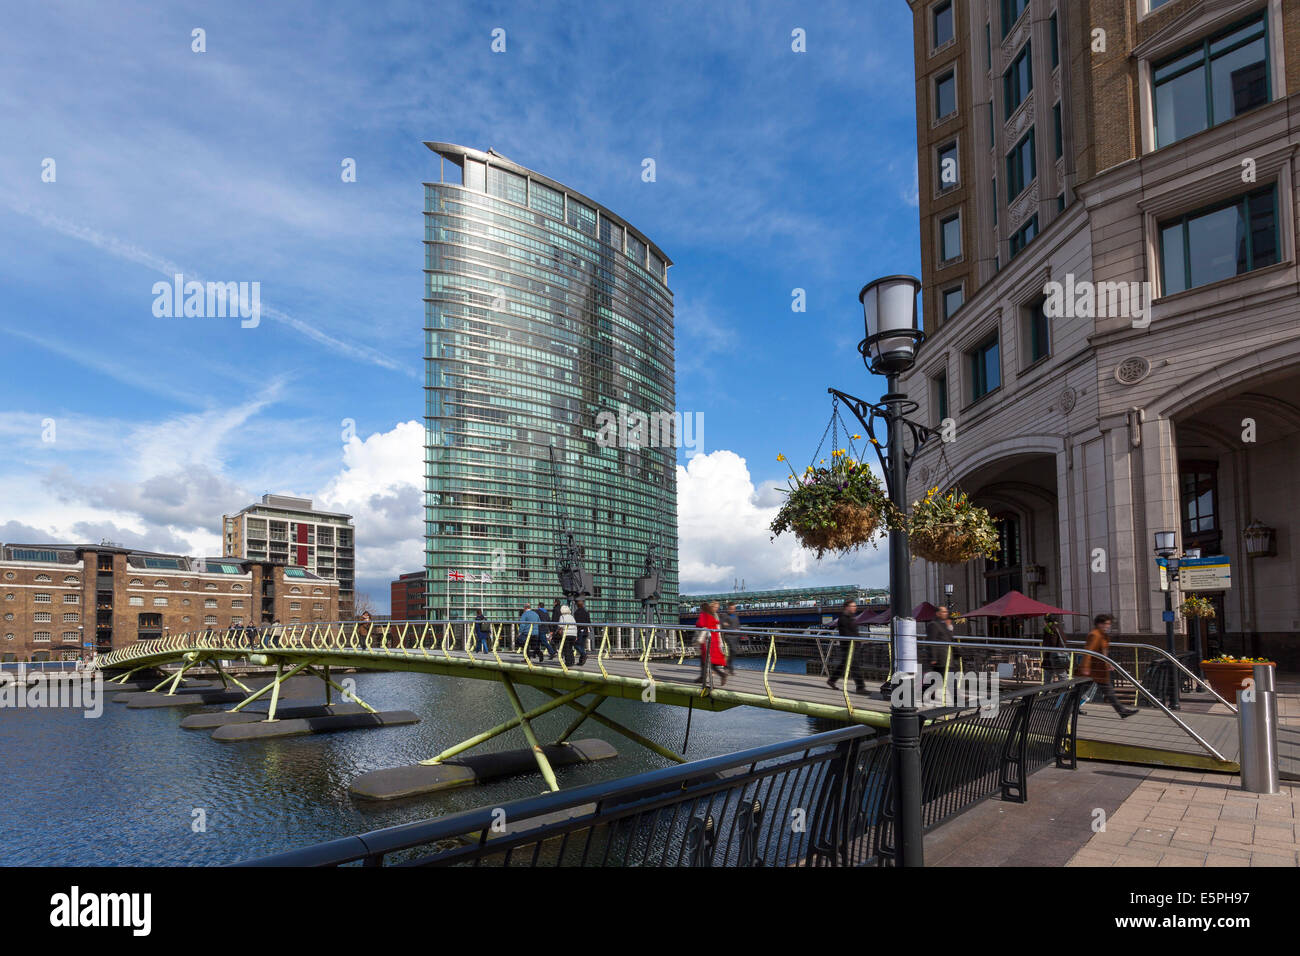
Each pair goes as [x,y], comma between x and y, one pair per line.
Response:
[1152,817]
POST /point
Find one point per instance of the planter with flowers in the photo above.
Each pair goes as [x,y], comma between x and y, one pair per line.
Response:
[838,507]
[948,529]
[1226,673]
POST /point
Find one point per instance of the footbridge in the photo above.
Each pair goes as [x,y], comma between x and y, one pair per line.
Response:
[659,666]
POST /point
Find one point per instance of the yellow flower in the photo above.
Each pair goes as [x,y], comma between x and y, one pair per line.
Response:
[780,457]
[857,437]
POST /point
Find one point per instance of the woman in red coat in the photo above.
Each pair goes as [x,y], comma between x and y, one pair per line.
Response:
[712,653]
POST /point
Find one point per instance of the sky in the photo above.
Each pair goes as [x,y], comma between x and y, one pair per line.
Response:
[130,156]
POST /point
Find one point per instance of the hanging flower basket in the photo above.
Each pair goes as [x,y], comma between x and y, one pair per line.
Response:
[948,529]
[1194,606]
[837,508]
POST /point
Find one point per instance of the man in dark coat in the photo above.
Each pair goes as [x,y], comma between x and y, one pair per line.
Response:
[583,618]
[848,627]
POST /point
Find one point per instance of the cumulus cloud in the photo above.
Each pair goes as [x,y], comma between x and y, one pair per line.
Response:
[381,486]
[191,499]
[723,519]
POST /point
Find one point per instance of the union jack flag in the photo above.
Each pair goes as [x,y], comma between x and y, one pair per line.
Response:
[455,576]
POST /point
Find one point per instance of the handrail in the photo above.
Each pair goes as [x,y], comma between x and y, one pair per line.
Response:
[1179,664]
[205,641]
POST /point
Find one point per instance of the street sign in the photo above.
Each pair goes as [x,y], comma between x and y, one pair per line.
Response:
[1206,574]
[1200,574]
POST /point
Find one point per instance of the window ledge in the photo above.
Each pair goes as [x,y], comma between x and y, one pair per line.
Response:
[1178,297]
[974,404]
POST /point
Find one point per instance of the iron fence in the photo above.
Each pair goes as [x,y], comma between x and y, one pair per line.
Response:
[824,800]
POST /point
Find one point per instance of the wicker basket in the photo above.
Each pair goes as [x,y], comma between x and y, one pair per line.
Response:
[852,525]
[943,544]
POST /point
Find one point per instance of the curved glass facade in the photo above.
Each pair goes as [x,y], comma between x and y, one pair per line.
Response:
[542,310]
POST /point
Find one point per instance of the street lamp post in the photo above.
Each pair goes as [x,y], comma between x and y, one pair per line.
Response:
[1167,549]
[889,349]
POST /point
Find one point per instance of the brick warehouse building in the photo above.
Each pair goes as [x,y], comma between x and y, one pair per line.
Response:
[58,597]
[1149,145]
[407,597]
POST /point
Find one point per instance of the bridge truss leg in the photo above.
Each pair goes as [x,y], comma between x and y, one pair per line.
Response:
[175,681]
[616,727]
[216,662]
[123,679]
[510,724]
[272,688]
[347,694]
[542,763]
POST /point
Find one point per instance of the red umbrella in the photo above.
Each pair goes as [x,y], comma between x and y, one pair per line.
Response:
[1015,604]
[922,612]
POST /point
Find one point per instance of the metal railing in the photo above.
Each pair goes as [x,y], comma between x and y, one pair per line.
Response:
[449,640]
[821,801]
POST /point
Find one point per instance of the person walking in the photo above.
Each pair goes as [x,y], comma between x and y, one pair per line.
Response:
[529,625]
[1056,663]
[939,628]
[730,633]
[848,627]
[483,632]
[567,632]
[710,644]
[583,618]
[1098,670]
[544,631]
[363,627]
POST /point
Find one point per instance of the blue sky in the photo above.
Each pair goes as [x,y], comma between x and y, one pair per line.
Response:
[775,170]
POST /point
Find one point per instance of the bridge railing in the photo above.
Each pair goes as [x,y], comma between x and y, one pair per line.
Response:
[856,656]
[824,800]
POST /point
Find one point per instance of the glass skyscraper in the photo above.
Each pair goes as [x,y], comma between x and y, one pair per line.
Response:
[543,310]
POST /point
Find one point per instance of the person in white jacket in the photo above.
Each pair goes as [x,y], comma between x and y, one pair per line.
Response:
[567,632]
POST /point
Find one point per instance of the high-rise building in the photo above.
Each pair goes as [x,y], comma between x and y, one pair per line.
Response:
[543,310]
[286,530]
[69,601]
[1109,276]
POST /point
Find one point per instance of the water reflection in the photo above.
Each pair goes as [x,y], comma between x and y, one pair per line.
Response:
[125,788]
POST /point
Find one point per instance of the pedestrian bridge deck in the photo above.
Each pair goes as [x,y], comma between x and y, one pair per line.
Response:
[1149,737]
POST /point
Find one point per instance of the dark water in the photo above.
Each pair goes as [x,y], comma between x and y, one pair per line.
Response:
[123,788]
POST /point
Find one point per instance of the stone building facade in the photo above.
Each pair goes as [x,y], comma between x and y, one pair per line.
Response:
[1164,392]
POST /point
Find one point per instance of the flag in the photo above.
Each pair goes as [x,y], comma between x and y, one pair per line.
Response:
[455,576]
[485,578]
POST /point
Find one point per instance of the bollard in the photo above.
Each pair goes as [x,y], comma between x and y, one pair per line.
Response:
[1258,727]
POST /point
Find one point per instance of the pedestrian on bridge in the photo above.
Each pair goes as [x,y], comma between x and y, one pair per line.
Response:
[1098,669]
[710,643]
[583,618]
[730,634]
[567,633]
[483,632]
[543,632]
[1056,663]
[848,627]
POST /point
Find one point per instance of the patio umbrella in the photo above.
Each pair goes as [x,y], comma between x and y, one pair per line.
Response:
[1015,604]
[922,612]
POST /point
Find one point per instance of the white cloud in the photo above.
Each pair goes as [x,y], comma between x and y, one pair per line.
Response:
[723,535]
[381,487]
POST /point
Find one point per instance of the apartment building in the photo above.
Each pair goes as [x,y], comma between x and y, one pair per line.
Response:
[1112,301]
[71,601]
[285,530]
